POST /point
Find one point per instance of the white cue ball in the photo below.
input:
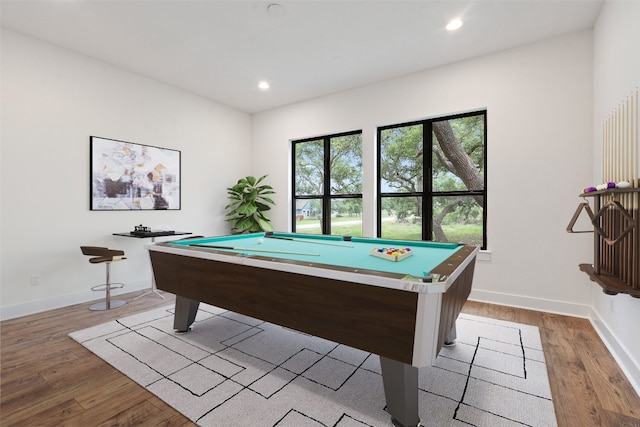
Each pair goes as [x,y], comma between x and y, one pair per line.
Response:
[260,240]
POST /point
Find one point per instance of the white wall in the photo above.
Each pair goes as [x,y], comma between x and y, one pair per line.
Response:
[616,74]
[545,101]
[539,113]
[52,101]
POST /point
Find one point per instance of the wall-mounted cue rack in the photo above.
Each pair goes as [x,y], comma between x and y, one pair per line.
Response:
[615,217]
[616,242]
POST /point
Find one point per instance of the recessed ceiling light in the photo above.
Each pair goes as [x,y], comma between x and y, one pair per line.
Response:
[275,9]
[454,24]
[263,85]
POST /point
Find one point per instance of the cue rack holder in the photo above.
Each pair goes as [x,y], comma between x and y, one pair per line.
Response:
[616,240]
[616,211]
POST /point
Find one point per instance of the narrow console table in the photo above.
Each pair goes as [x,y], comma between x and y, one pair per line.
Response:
[152,235]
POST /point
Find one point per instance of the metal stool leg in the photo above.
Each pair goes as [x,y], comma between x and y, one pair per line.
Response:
[107,304]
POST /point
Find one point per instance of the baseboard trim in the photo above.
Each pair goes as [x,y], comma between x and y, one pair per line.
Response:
[530,303]
[59,301]
[629,366]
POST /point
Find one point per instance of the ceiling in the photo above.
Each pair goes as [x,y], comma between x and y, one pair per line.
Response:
[305,49]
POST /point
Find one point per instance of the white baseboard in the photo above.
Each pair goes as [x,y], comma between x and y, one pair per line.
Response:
[622,356]
[59,301]
[529,303]
[629,366]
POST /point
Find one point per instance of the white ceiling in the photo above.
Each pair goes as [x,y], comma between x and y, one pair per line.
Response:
[222,49]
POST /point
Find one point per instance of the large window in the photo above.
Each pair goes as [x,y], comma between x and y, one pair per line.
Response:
[432,179]
[327,185]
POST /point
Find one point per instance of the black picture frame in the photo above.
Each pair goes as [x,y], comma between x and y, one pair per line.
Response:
[131,176]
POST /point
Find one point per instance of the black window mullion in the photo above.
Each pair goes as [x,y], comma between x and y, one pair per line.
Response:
[326,198]
[293,186]
[379,184]
[427,184]
[484,192]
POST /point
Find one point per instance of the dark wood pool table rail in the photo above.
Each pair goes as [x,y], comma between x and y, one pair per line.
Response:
[454,299]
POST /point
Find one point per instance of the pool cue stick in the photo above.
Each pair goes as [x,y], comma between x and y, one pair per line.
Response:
[235,248]
[293,239]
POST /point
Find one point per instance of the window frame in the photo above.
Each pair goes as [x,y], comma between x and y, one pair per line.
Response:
[427,194]
[326,198]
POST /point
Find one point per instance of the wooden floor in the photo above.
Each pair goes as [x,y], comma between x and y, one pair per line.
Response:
[47,379]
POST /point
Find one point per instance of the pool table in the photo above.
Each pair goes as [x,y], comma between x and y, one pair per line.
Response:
[331,287]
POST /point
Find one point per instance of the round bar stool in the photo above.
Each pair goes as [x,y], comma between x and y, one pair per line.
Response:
[105,256]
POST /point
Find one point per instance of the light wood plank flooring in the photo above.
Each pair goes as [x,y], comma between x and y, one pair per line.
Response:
[47,379]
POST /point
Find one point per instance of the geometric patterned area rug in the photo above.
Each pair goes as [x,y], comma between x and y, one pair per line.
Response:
[233,370]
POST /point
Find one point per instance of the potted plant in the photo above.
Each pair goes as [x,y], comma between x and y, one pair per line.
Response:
[248,202]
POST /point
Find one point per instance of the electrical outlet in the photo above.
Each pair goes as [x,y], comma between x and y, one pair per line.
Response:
[35,280]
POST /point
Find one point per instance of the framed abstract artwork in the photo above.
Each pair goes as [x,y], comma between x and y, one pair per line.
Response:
[130,176]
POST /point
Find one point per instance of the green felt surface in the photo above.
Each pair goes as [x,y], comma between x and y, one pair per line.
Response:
[351,254]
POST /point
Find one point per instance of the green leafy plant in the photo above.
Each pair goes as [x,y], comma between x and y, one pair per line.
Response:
[248,202]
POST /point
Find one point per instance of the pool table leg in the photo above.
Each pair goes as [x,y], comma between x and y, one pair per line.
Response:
[185,315]
[401,391]
[450,339]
